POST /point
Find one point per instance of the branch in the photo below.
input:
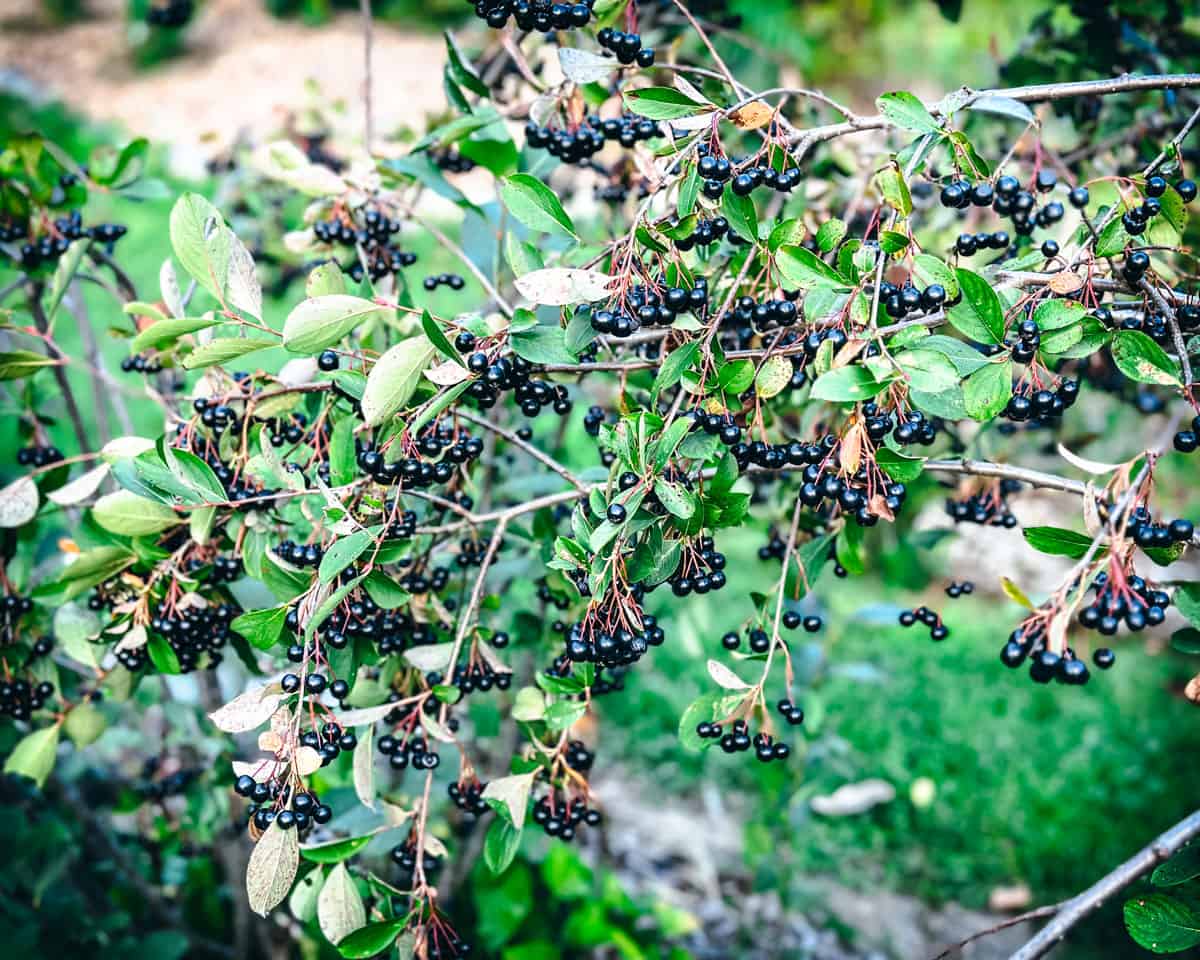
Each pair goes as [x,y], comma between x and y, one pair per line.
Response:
[1072,911]
[544,458]
[60,372]
[955,950]
[1004,471]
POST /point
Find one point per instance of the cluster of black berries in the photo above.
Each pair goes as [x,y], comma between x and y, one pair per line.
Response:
[404,855]
[850,494]
[905,428]
[1136,219]
[559,818]
[193,633]
[705,233]
[1008,200]
[1028,642]
[451,161]
[969,244]
[738,740]
[956,589]
[1135,602]
[468,797]
[540,15]
[745,182]
[899,301]
[12,609]
[514,373]
[988,508]
[222,569]
[1153,325]
[416,581]
[645,307]
[698,572]
[37,455]
[404,750]
[141,364]
[301,812]
[592,421]
[627,47]
[19,699]
[215,414]
[1040,406]
[173,13]
[1147,533]
[299,554]
[579,145]
[790,712]
[382,256]
[65,231]
[172,785]
[588,642]
[479,676]
[931,619]
[1029,338]
[439,441]
[1187,440]
[332,739]
[451,280]
[765,315]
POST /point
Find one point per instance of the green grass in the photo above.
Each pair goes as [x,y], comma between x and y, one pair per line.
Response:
[1049,786]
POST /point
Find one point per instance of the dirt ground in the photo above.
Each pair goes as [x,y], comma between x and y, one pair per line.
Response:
[242,71]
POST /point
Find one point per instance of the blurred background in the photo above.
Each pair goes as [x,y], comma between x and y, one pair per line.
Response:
[973,794]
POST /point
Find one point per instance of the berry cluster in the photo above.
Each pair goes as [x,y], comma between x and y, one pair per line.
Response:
[540,15]
[299,810]
[646,307]
[1148,534]
[931,618]
[559,817]
[900,301]
[1186,441]
[1007,199]
[627,47]
[19,699]
[1028,642]
[1040,407]
[193,633]
[404,750]
[38,455]
[578,145]
[591,642]
[1136,219]
[743,181]
[704,234]
[374,236]
[988,507]
[955,589]
[63,232]
[1131,600]
[738,740]
[468,796]
[141,364]
[12,609]
[451,280]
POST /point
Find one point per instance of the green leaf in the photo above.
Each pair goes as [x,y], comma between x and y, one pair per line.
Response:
[987,391]
[124,512]
[84,724]
[1004,107]
[371,940]
[1187,602]
[899,467]
[892,187]
[202,243]
[742,216]
[437,337]
[87,570]
[542,344]
[320,322]
[1057,542]
[979,315]
[335,851]
[224,349]
[262,628]
[1161,923]
[773,376]
[15,364]
[1186,640]
[906,111]
[664,103]
[1182,867]
[343,552]
[1113,238]
[325,279]
[675,498]
[1143,360]
[846,384]
[669,442]
[165,332]
[1055,314]
[791,232]
[385,591]
[830,234]
[34,754]
[677,361]
[929,269]
[803,269]
[534,204]
[701,710]
[927,370]
[500,845]
[394,378]
[735,376]
[163,656]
